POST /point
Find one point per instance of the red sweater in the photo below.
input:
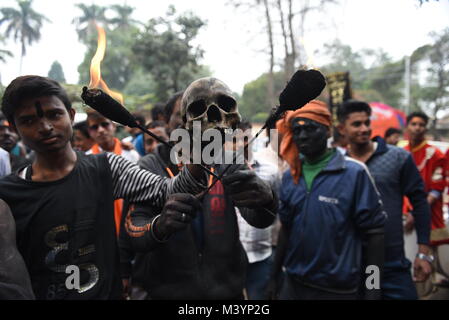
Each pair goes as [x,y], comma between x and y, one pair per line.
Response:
[432,166]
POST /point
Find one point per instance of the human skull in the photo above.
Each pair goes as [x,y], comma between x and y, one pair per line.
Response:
[210,101]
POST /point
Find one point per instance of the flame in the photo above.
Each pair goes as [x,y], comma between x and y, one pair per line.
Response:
[310,60]
[95,67]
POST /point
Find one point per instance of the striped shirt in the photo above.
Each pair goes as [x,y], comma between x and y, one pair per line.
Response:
[137,185]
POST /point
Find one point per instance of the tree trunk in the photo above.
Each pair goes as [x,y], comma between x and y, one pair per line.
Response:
[433,127]
[292,57]
[288,70]
[21,57]
[270,82]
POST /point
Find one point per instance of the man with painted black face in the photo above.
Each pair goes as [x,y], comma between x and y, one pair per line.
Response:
[329,207]
[396,176]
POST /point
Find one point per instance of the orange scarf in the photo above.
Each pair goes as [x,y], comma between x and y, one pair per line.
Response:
[118,204]
[315,110]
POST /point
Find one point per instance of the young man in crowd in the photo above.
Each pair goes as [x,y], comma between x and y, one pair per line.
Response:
[392,136]
[102,131]
[396,176]
[81,138]
[206,260]
[257,242]
[63,202]
[8,141]
[157,113]
[158,128]
[432,165]
[329,208]
[136,136]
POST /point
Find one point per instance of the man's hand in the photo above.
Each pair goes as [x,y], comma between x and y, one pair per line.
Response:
[409,223]
[246,189]
[421,270]
[126,289]
[178,212]
[431,199]
[127,145]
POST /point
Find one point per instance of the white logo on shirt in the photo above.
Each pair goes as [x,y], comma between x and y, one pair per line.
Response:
[327,199]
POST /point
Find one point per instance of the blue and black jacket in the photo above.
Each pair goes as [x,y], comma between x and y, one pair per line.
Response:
[396,175]
[325,226]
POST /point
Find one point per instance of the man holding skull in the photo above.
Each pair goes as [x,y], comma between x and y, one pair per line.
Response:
[198,255]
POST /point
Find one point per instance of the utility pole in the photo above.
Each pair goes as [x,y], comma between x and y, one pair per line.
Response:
[407,80]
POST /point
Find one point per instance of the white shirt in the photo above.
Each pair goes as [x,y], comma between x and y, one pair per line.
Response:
[258,242]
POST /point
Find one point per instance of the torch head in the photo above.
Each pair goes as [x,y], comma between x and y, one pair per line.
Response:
[108,107]
[304,86]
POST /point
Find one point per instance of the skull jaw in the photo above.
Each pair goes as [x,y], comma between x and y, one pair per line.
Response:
[232,119]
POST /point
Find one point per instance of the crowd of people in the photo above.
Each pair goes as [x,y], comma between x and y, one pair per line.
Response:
[318,213]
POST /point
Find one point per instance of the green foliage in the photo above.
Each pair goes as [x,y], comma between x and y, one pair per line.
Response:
[255,99]
[119,65]
[165,50]
[260,117]
[123,17]
[85,23]
[74,93]
[374,76]
[145,65]
[433,96]
[388,80]
[56,72]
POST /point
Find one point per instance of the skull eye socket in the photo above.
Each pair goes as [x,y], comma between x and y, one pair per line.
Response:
[197,108]
[226,103]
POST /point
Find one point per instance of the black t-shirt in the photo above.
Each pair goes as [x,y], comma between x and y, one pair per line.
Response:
[71,222]
[67,222]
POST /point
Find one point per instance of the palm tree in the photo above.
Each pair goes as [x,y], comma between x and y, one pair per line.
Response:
[23,25]
[85,23]
[4,53]
[123,16]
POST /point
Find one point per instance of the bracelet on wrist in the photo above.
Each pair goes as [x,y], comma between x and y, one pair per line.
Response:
[153,222]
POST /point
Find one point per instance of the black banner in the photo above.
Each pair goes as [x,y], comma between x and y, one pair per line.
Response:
[339,86]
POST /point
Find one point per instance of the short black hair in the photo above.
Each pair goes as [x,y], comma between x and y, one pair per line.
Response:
[140,119]
[27,87]
[391,131]
[157,110]
[155,124]
[418,114]
[82,127]
[170,105]
[351,106]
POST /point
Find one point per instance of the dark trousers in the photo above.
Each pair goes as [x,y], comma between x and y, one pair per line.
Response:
[397,283]
[258,276]
[293,290]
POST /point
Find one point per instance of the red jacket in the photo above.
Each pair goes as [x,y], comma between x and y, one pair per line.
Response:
[432,166]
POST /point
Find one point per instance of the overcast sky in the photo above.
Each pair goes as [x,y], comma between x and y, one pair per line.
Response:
[234,41]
